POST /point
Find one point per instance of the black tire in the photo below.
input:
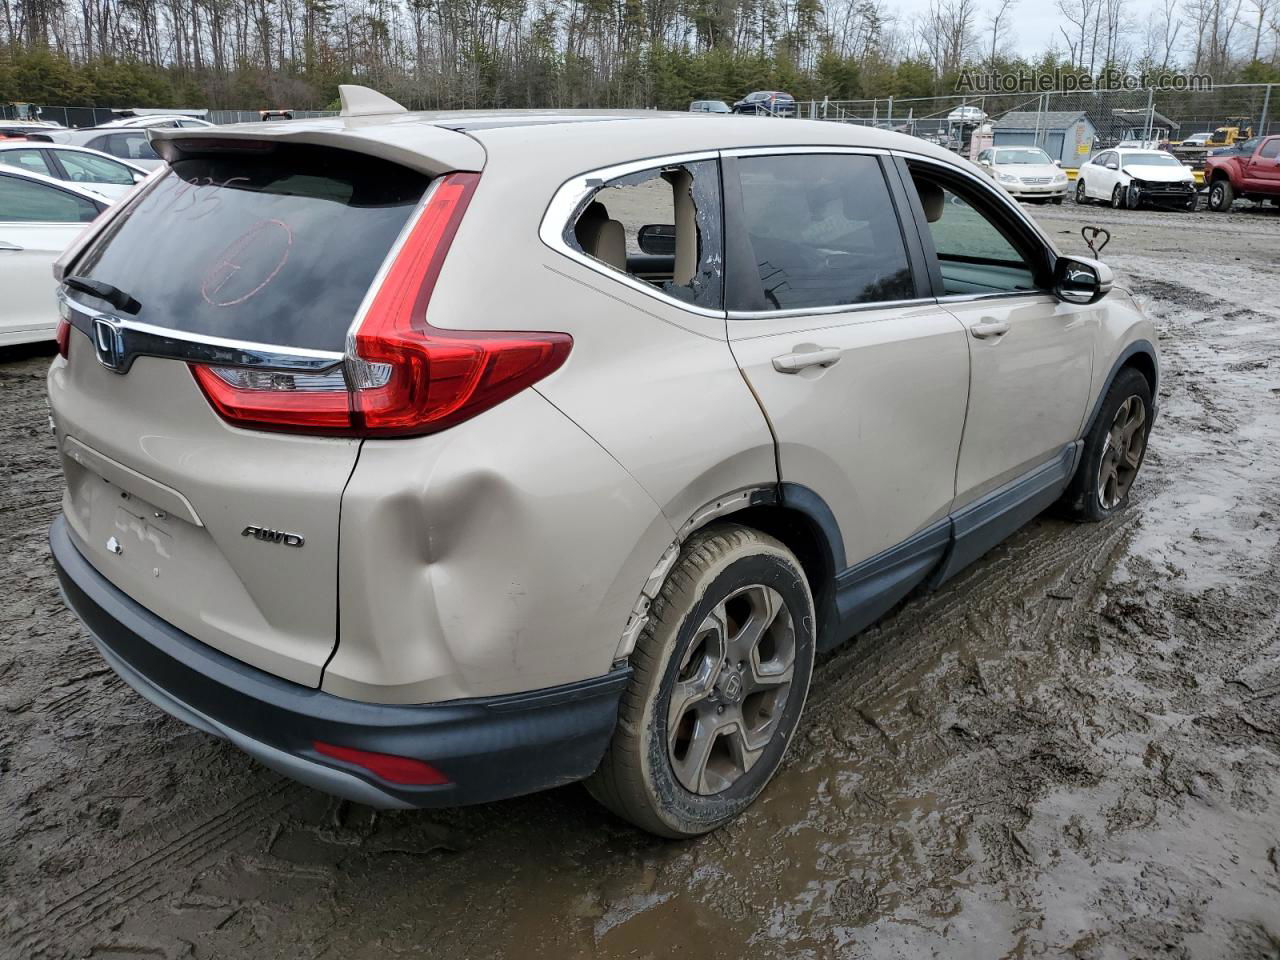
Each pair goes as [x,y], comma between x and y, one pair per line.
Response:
[1132,197]
[638,778]
[1221,196]
[1192,203]
[1117,198]
[1057,201]
[1082,198]
[1082,500]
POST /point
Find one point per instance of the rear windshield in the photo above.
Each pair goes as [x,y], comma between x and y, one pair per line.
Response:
[274,247]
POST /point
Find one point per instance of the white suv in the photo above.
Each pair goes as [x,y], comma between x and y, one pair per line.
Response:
[437,458]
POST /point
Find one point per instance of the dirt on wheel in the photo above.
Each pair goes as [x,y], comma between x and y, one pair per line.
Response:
[1071,750]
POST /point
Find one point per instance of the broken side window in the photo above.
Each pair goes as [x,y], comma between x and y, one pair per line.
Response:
[660,226]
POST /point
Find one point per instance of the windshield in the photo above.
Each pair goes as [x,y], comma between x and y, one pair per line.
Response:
[1025,155]
[1150,160]
[275,247]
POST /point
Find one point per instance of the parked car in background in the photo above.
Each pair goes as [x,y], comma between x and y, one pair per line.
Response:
[709,106]
[129,143]
[1130,178]
[893,369]
[1026,172]
[97,172]
[1196,139]
[23,128]
[1236,175]
[767,103]
[158,120]
[39,216]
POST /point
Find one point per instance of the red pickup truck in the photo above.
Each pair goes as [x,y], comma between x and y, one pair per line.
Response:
[1249,171]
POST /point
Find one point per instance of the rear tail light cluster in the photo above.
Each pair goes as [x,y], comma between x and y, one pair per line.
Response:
[62,336]
[402,376]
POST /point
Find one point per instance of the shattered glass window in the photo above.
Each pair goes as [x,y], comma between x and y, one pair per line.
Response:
[660,226]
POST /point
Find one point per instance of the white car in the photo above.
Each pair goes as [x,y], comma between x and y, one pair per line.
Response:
[1129,178]
[1026,172]
[94,171]
[39,217]
[123,143]
[159,120]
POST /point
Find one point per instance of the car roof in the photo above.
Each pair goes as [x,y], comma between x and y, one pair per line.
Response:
[53,182]
[565,141]
[66,148]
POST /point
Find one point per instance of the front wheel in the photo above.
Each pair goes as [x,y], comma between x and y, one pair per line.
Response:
[1221,196]
[1117,197]
[1082,198]
[1057,201]
[1114,450]
[720,676]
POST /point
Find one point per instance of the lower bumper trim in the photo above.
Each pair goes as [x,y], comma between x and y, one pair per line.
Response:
[489,748]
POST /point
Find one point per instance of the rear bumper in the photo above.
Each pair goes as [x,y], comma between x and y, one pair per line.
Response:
[489,748]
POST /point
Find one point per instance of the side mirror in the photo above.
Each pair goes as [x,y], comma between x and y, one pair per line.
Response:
[657,239]
[138,177]
[1057,163]
[1081,280]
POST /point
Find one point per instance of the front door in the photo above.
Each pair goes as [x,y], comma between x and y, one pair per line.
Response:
[1031,354]
[863,380]
[1263,170]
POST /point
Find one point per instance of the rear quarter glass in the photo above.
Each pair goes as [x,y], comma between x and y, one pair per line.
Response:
[276,247]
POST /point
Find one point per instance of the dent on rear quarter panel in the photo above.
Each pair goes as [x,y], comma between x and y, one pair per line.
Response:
[498,556]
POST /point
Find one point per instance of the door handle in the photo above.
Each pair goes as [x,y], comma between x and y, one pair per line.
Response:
[989,328]
[795,362]
[11,247]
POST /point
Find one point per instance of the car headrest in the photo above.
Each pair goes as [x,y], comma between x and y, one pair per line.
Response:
[931,198]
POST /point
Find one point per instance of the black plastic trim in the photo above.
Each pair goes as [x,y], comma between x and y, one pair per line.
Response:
[490,748]
[1132,350]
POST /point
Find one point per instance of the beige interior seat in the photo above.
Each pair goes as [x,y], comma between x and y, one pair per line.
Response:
[931,198]
[602,237]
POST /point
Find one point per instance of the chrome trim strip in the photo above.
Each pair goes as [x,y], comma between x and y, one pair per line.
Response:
[780,149]
[827,311]
[148,340]
[1002,295]
[573,193]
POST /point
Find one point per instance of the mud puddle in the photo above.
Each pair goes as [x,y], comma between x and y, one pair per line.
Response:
[1073,750]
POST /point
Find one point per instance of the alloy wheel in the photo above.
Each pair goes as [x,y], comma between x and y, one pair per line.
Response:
[731,689]
[1122,452]
[1081,196]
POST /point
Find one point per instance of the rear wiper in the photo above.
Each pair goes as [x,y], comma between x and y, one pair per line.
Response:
[104,291]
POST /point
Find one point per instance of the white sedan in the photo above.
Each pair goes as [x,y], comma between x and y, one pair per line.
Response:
[93,170]
[1129,178]
[39,217]
[1025,172]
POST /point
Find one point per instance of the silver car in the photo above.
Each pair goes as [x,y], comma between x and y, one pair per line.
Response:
[438,458]
[130,144]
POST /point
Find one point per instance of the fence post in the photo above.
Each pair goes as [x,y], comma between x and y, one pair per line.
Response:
[1151,115]
[1266,105]
[890,115]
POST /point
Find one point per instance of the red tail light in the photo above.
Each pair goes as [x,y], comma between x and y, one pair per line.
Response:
[62,336]
[387,766]
[402,376]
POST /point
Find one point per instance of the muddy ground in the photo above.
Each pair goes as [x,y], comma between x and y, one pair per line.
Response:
[1071,751]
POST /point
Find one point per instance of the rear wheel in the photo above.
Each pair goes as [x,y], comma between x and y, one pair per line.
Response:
[720,676]
[1221,196]
[1113,451]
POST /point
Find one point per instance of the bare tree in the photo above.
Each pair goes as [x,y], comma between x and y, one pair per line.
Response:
[996,22]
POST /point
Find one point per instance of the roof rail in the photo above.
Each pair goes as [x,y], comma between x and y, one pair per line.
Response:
[360,101]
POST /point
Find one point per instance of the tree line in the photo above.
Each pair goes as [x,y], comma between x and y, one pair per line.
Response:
[445,54]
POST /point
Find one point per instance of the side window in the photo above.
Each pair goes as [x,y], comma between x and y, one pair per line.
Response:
[822,232]
[86,168]
[26,160]
[135,146]
[24,201]
[107,144]
[977,253]
[1271,148]
[661,227]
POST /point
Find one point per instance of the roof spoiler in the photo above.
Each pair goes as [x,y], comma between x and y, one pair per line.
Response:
[360,101]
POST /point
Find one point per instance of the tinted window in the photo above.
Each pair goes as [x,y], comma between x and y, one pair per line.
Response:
[275,248]
[24,201]
[976,254]
[25,160]
[86,168]
[133,145]
[823,231]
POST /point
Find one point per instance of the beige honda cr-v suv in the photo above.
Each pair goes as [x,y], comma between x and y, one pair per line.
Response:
[437,458]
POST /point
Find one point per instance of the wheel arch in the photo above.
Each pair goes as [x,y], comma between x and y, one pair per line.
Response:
[1139,355]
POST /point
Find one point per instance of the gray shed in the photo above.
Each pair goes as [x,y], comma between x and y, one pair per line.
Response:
[1065,135]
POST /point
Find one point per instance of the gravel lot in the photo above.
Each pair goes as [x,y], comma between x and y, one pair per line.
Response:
[1073,750]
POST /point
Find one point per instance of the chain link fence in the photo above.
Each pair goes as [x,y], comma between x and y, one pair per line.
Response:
[1071,127]
[96,116]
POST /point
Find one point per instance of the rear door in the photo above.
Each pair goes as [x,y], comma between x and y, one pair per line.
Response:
[255,254]
[37,220]
[863,377]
